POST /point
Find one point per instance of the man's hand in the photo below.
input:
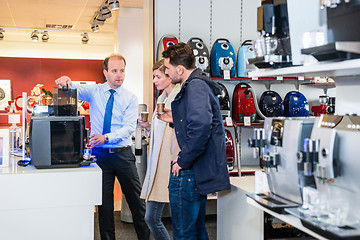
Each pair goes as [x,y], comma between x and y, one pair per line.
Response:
[145,125]
[166,116]
[63,81]
[176,169]
[96,139]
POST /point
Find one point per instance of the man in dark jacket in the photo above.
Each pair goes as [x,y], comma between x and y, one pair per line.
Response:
[201,167]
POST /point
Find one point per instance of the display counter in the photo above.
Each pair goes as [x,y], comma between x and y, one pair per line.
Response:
[237,219]
[240,217]
[49,203]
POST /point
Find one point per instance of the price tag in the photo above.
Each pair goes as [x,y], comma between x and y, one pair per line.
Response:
[301,78]
[228,121]
[247,121]
[280,78]
[14,118]
[254,78]
[226,74]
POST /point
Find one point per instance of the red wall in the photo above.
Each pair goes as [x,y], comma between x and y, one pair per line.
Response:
[25,73]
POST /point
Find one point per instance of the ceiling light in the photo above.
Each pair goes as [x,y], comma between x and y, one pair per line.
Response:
[34,36]
[95,27]
[45,36]
[1,34]
[85,38]
[105,11]
[100,19]
[114,4]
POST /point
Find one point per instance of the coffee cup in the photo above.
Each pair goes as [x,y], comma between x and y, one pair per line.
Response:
[87,153]
[160,108]
[144,116]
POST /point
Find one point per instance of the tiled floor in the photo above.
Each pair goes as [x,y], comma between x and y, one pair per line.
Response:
[125,231]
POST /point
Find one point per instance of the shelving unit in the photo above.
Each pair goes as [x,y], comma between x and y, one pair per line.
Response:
[328,69]
[251,124]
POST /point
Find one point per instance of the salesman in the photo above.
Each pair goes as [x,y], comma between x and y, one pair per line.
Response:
[113,116]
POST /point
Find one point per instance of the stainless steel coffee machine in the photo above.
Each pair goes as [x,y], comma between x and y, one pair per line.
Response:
[341,35]
[332,207]
[283,139]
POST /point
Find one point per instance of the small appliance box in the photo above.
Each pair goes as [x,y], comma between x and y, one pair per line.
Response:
[57,141]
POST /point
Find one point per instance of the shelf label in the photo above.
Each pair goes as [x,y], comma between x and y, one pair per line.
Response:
[280,78]
[301,78]
[14,118]
[228,121]
[226,74]
[254,78]
[247,121]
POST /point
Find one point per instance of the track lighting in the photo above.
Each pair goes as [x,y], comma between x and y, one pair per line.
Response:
[45,36]
[34,36]
[85,38]
[105,11]
[100,19]
[95,27]
[1,33]
[114,4]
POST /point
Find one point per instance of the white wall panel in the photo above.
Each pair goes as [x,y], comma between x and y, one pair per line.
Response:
[130,45]
[226,21]
[195,20]
[166,19]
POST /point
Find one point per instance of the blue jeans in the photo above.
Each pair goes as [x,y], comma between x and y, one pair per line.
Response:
[153,220]
[188,207]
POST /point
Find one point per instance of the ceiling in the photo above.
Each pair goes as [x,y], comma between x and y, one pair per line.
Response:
[35,14]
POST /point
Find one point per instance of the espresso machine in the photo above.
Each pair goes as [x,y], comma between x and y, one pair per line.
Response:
[57,134]
[332,208]
[327,106]
[282,138]
[341,40]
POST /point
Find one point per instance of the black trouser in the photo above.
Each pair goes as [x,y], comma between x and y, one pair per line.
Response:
[121,165]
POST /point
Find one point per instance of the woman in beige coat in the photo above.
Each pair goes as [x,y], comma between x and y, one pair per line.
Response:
[163,149]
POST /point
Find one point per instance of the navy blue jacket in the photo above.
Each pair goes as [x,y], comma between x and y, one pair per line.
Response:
[200,133]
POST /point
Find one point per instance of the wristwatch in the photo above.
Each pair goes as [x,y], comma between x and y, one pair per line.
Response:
[106,138]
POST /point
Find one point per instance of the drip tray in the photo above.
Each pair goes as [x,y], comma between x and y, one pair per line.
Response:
[321,227]
[272,202]
[271,61]
[334,51]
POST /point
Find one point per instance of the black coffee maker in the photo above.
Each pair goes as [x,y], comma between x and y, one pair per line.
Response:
[57,139]
[343,38]
[273,48]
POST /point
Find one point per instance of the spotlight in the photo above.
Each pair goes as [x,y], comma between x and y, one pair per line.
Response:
[45,36]
[34,36]
[114,4]
[1,34]
[95,27]
[100,19]
[85,38]
[105,11]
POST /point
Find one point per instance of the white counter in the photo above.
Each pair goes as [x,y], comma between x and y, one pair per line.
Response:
[236,219]
[49,203]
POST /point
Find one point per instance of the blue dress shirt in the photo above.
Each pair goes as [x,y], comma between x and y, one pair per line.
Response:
[124,116]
